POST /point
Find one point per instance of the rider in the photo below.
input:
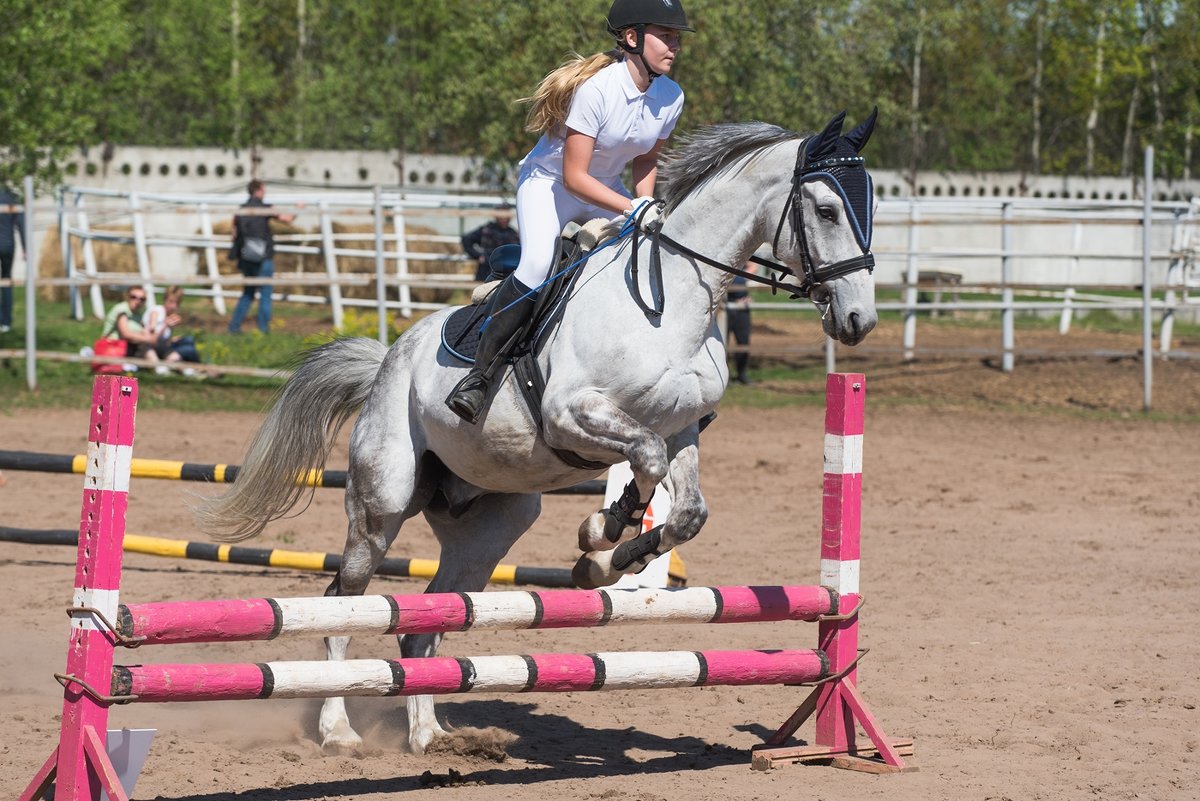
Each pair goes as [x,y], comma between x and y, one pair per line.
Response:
[596,115]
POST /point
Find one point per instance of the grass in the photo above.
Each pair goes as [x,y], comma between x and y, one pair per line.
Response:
[64,385]
[296,328]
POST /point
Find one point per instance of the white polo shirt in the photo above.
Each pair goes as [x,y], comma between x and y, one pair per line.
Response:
[625,122]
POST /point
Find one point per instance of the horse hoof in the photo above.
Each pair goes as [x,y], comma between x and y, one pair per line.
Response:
[594,570]
[419,740]
[591,533]
[342,742]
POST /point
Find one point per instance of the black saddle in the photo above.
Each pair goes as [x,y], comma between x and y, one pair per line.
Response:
[461,332]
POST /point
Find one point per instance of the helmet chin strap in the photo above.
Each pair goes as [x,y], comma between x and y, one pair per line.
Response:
[639,50]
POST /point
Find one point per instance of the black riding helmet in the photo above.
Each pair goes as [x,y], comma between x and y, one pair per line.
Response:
[640,13]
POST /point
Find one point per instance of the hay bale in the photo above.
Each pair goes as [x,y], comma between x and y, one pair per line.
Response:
[366,264]
[111,257]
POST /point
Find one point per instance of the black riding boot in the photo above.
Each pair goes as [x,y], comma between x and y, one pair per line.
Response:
[499,336]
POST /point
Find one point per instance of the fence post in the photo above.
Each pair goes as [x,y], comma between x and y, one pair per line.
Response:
[30,288]
[210,259]
[1147,311]
[1064,322]
[405,291]
[335,289]
[67,254]
[380,286]
[139,246]
[910,279]
[89,256]
[1175,277]
[1006,293]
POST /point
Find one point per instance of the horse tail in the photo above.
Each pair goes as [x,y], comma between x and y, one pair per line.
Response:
[331,383]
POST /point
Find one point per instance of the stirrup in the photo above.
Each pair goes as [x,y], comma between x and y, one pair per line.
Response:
[468,397]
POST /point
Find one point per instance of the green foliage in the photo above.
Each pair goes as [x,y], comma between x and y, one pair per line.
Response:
[955,80]
[55,59]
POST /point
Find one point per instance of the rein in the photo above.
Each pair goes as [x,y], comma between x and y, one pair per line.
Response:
[793,212]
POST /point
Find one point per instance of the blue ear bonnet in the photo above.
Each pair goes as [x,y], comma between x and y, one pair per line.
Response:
[841,168]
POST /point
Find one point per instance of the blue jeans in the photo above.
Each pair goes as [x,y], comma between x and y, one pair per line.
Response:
[250,269]
[6,262]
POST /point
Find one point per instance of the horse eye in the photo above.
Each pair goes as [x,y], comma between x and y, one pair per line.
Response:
[827,213]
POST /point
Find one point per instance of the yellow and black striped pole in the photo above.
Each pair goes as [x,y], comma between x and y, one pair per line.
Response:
[295,560]
[188,471]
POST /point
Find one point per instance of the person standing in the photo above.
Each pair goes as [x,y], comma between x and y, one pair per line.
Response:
[596,115]
[254,250]
[480,242]
[12,226]
[737,317]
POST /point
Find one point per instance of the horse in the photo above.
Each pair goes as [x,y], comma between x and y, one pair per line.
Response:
[623,382]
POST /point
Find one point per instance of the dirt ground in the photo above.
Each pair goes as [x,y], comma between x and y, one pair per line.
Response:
[1030,573]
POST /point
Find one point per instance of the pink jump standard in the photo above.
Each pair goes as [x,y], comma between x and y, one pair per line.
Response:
[836,700]
[80,764]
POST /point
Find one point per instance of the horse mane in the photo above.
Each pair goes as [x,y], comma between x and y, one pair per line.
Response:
[703,153]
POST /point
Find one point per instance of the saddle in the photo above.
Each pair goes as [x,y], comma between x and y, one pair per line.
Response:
[461,332]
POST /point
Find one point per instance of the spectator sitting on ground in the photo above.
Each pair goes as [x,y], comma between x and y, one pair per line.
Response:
[124,322]
[159,321]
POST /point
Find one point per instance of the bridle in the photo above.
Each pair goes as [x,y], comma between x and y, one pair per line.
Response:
[793,212]
[814,171]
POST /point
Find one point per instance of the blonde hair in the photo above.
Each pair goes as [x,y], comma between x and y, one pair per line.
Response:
[551,100]
[174,293]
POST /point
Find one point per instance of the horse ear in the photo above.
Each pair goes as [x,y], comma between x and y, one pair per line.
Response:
[822,144]
[860,135]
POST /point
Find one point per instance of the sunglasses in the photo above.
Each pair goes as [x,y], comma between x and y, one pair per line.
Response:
[137,297]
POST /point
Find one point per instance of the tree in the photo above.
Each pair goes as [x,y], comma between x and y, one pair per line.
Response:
[55,55]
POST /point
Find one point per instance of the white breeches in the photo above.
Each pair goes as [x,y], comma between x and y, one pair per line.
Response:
[544,207]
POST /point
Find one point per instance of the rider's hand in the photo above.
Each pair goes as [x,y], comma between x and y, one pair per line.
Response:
[646,213]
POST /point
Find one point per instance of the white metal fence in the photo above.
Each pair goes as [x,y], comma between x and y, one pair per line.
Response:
[935,255]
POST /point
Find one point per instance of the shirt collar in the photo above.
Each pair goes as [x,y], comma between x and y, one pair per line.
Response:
[631,90]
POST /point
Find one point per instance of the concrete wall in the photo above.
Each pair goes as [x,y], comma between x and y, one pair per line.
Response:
[967,204]
[214,169]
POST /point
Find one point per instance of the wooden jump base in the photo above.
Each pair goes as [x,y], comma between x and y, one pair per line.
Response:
[302,560]
[212,473]
[80,765]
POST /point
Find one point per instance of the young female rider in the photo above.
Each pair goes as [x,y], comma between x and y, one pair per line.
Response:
[596,115]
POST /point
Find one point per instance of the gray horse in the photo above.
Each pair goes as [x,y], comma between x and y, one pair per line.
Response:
[622,383]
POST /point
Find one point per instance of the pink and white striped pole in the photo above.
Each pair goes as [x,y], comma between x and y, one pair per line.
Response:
[80,766]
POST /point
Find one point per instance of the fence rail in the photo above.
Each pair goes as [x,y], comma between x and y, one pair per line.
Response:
[937,254]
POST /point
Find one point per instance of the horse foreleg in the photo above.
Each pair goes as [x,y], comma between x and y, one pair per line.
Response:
[688,514]
[591,423]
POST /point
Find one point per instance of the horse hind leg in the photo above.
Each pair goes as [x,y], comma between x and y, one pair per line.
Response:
[471,547]
[381,493]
